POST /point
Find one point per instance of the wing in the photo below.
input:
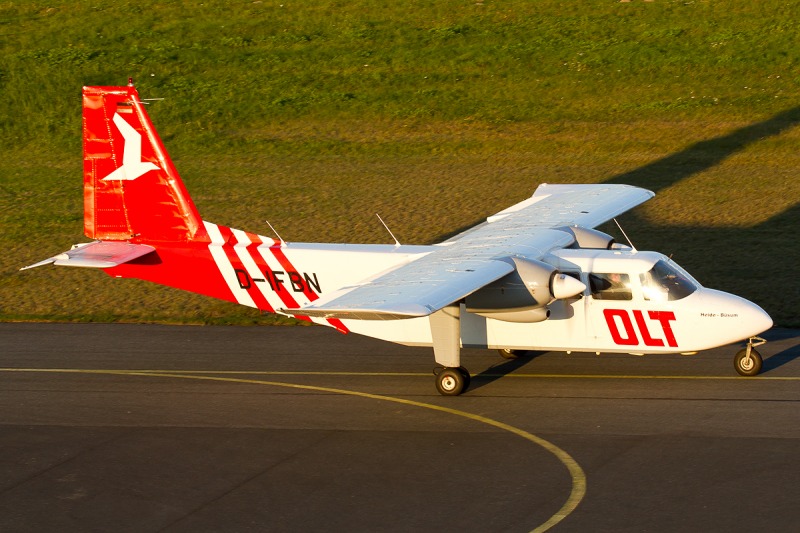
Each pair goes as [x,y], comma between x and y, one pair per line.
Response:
[97,254]
[477,257]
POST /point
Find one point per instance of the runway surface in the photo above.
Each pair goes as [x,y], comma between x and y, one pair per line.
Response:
[159,428]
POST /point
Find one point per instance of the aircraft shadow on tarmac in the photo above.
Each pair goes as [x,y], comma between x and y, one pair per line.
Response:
[783,357]
[508,366]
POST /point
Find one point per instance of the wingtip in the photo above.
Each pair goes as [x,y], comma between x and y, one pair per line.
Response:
[40,263]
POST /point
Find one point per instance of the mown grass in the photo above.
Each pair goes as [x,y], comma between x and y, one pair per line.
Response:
[316,115]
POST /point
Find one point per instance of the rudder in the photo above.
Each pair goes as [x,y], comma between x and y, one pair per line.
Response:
[132,191]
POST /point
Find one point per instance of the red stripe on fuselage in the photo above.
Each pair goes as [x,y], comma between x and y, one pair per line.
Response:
[282,292]
[277,251]
[254,292]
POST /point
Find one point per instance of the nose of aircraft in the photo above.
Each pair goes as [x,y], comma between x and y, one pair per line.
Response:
[749,319]
[758,318]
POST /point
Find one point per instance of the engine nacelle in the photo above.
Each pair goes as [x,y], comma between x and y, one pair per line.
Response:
[590,238]
[522,295]
[525,316]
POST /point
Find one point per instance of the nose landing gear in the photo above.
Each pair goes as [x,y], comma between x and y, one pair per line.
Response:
[748,361]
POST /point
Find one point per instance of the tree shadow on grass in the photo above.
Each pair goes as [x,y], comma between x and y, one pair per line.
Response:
[704,155]
[756,262]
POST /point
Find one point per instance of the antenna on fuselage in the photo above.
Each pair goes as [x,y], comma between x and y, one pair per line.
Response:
[396,242]
[283,243]
[625,235]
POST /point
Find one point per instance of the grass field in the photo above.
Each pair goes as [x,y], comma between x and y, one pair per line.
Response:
[316,115]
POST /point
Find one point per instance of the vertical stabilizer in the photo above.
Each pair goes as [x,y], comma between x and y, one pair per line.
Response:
[132,191]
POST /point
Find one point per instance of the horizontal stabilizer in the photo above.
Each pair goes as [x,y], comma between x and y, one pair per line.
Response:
[97,254]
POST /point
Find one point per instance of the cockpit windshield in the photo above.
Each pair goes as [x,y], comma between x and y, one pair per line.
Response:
[664,282]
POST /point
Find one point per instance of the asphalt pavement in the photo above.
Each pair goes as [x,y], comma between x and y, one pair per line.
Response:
[121,427]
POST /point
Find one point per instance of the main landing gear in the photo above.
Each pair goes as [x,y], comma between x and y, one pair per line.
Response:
[508,353]
[748,361]
[451,381]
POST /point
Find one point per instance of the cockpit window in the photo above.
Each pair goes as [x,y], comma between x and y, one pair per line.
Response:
[665,283]
[610,286]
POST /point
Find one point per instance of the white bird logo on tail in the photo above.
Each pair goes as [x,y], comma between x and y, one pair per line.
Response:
[132,164]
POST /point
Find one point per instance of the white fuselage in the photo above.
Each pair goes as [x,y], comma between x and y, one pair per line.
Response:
[635,317]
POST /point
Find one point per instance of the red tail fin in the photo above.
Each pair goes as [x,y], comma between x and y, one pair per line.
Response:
[132,191]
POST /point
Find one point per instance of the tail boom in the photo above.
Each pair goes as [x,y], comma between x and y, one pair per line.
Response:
[232,265]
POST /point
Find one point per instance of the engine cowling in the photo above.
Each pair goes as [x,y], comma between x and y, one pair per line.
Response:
[590,238]
[522,295]
[524,316]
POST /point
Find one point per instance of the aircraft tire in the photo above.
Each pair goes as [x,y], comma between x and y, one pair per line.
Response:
[745,367]
[451,382]
[508,353]
[467,377]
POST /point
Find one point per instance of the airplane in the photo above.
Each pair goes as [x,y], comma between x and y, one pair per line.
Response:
[535,276]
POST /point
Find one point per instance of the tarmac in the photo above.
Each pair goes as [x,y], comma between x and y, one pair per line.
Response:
[122,427]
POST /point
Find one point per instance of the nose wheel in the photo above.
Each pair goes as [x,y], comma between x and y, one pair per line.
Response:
[452,381]
[748,361]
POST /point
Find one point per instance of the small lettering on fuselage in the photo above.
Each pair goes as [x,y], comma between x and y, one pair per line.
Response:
[624,332]
[280,280]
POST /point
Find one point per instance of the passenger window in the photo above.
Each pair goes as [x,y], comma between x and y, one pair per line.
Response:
[610,286]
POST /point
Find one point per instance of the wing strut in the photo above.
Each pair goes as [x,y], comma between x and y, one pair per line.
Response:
[446,334]
[453,379]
